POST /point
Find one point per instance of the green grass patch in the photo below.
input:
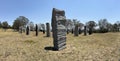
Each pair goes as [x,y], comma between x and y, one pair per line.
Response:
[29,41]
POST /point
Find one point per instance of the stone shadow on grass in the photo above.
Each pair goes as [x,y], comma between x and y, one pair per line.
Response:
[50,48]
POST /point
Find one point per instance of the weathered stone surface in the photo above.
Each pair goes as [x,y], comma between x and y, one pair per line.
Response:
[36,30]
[58,29]
[76,30]
[47,29]
[27,30]
[85,30]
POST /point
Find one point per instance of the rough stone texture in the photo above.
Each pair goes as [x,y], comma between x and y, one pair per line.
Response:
[58,28]
[76,30]
[36,29]
[85,30]
[27,30]
[47,29]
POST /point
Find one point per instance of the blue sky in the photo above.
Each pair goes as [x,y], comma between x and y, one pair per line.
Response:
[40,11]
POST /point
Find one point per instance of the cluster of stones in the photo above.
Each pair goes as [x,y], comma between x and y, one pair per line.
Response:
[58,29]
[37,30]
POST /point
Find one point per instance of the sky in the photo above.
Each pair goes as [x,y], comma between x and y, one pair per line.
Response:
[40,11]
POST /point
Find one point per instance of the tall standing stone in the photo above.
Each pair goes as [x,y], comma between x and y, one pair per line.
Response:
[76,30]
[85,30]
[43,29]
[36,29]
[67,31]
[72,31]
[27,30]
[47,29]
[80,31]
[90,31]
[58,28]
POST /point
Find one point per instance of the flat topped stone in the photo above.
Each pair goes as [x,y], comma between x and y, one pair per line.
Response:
[58,29]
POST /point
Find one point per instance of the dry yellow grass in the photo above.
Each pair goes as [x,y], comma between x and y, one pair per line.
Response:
[97,47]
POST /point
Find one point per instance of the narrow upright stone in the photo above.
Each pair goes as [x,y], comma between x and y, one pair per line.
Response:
[43,29]
[36,29]
[80,31]
[76,30]
[67,31]
[90,31]
[85,30]
[58,29]
[72,31]
[27,30]
[47,29]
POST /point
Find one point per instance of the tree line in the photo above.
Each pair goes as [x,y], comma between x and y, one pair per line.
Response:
[102,26]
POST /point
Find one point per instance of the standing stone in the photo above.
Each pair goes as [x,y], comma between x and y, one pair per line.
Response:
[72,31]
[47,29]
[43,29]
[67,31]
[85,30]
[76,30]
[36,30]
[27,30]
[80,31]
[58,28]
[90,31]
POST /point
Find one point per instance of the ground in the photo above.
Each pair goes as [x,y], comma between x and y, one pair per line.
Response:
[96,47]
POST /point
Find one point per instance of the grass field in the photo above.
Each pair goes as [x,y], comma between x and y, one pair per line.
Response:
[96,47]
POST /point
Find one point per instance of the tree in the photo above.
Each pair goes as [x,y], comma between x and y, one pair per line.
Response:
[31,24]
[117,26]
[80,25]
[103,25]
[110,27]
[75,22]
[91,25]
[5,25]
[69,25]
[20,21]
